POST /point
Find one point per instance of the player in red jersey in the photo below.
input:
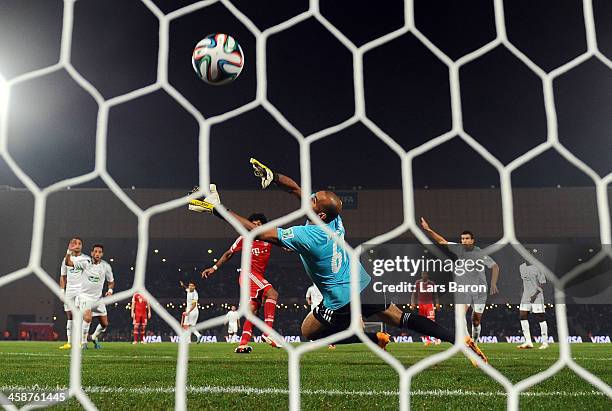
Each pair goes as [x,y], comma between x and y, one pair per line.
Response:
[424,295]
[141,313]
[262,292]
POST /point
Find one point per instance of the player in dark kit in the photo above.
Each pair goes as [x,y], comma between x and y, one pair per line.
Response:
[261,291]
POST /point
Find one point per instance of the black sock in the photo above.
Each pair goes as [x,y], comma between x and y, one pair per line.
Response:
[425,326]
[349,340]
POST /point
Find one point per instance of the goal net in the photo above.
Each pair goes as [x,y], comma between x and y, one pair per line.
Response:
[144,215]
[373,326]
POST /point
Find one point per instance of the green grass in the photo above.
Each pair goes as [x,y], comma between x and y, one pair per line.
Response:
[348,368]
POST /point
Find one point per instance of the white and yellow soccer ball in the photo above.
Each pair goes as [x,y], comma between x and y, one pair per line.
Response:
[217,59]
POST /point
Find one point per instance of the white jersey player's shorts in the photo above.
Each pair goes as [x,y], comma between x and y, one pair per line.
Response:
[85,302]
[478,301]
[192,318]
[232,328]
[536,308]
[70,296]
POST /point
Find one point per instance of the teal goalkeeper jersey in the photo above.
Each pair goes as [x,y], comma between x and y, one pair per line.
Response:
[325,261]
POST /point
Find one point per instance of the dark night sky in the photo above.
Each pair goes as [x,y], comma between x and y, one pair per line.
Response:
[152,141]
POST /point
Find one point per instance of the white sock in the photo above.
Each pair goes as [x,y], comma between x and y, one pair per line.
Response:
[467,332]
[99,330]
[526,331]
[86,326]
[195,332]
[475,332]
[69,329]
[544,331]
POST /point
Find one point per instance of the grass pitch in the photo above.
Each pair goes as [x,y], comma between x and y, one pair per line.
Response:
[122,376]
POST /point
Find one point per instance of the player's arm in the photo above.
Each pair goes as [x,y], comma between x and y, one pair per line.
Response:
[133,306]
[269,236]
[182,285]
[494,277]
[111,287]
[68,259]
[224,258]
[288,184]
[540,280]
[62,280]
[431,233]
[267,176]
[538,291]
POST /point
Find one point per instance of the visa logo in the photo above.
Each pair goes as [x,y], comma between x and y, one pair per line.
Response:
[402,339]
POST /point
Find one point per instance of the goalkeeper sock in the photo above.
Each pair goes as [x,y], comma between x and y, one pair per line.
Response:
[425,326]
[99,330]
[475,332]
[526,331]
[69,329]
[544,331]
[86,326]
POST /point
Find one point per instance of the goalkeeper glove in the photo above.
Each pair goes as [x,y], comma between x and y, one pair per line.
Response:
[263,172]
[208,204]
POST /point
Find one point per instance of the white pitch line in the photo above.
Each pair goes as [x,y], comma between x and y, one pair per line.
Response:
[196,357]
[211,389]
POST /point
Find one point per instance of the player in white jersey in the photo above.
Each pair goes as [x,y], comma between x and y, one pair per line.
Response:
[467,251]
[70,282]
[232,319]
[94,273]
[191,313]
[532,301]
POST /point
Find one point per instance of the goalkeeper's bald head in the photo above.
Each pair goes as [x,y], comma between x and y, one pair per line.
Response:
[327,203]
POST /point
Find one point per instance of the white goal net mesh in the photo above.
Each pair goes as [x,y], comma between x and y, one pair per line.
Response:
[41,195]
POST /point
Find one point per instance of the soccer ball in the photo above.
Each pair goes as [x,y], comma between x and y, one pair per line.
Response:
[217,59]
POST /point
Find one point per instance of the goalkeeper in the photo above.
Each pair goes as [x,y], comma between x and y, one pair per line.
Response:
[328,266]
